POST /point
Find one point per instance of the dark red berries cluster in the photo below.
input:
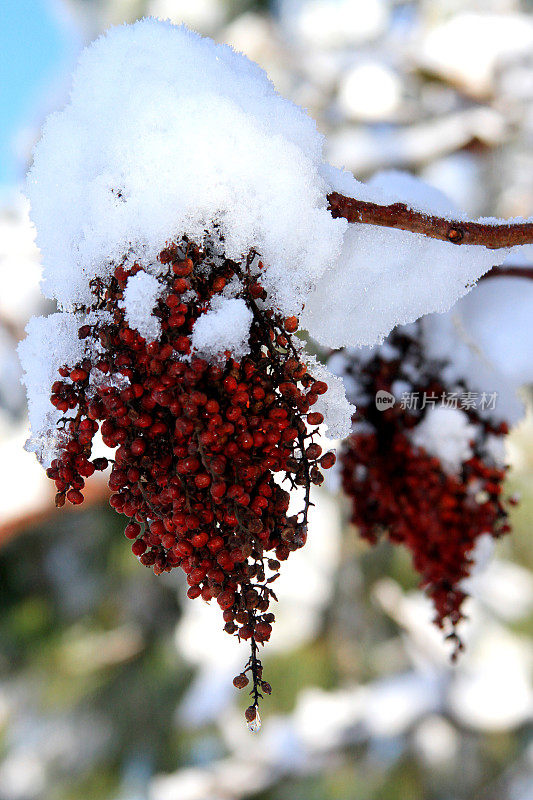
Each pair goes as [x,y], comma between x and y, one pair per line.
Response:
[399,489]
[200,448]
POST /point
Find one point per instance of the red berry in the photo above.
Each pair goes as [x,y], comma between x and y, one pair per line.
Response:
[74,497]
[138,446]
[291,324]
[132,530]
[319,387]
[78,375]
[138,547]
[328,460]
[226,599]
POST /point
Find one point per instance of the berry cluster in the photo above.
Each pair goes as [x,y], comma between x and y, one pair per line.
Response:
[398,488]
[198,445]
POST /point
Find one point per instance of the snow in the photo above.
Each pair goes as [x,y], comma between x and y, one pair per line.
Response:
[215,151]
[498,316]
[398,186]
[488,340]
[386,277]
[51,342]
[470,360]
[460,177]
[445,433]
[333,405]
[494,447]
[140,296]
[224,327]
[166,134]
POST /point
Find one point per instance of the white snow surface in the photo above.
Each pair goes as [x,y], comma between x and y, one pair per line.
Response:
[445,433]
[494,447]
[225,326]
[140,296]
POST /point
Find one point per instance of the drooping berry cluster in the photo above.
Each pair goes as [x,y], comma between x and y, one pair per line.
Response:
[398,489]
[200,447]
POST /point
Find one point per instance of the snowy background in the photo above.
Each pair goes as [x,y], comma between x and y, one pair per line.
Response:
[112,684]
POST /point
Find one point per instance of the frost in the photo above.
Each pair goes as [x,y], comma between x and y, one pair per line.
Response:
[100,380]
[224,327]
[334,406]
[445,433]
[140,296]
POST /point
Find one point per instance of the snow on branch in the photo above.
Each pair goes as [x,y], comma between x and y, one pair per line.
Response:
[494,235]
[188,138]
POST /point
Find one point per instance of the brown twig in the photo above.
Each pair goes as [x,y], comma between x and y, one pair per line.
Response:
[509,271]
[400,216]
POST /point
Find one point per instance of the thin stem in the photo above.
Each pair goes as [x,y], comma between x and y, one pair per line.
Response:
[400,216]
[255,666]
[509,271]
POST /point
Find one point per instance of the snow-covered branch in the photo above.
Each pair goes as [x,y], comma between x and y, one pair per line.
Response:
[398,215]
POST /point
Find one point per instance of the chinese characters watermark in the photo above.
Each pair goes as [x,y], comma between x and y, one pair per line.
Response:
[418,401]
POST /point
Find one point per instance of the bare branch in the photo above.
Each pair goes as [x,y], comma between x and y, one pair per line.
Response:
[400,216]
[509,271]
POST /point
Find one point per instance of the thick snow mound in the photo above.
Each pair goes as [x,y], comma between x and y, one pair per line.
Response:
[167,133]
